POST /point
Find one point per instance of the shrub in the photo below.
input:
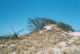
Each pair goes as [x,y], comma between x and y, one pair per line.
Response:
[65,27]
[39,23]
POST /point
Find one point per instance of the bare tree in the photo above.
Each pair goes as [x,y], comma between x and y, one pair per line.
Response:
[15,34]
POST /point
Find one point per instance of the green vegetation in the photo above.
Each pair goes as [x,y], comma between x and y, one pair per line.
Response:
[39,23]
[65,27]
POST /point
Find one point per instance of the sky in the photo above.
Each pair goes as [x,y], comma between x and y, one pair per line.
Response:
[14,14]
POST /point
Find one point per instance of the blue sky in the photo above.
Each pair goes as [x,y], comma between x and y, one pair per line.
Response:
[14,13]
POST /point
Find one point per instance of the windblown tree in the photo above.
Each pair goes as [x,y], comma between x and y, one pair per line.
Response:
[65,27]
[39,23]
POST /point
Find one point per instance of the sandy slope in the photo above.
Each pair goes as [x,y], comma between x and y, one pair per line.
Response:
[47,42]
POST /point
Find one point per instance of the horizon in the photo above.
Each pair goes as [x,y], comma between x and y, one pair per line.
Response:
[15,13]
